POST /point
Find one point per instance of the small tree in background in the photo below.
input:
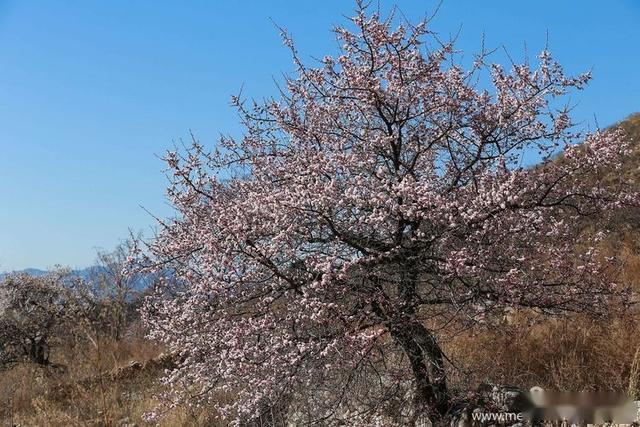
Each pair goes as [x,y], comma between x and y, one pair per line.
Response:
[115,291]
[33,313]
[380,199]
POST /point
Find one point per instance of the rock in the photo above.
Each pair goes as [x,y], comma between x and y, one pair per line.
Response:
[500,406]
[126,422]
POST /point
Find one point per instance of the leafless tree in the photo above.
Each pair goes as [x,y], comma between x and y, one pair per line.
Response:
[115,289]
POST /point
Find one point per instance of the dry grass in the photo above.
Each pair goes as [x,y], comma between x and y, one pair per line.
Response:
[102,386]
[88,386]
[574,353]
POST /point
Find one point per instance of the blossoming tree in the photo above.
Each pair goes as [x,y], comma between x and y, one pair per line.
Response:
[35,312]
[380,197]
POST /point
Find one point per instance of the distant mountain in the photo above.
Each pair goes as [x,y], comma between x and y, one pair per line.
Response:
[141,282]
[81,272]
[29,271]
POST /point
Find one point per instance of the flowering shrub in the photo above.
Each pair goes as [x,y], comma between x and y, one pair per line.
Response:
[35,312]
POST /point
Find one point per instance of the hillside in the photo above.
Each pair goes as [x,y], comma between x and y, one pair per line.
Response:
[631,126]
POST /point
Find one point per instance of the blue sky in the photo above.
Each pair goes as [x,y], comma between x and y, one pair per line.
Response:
[92,92]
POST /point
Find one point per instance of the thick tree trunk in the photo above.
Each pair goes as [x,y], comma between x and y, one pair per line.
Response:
[427,364]
[424,354]
[420,346]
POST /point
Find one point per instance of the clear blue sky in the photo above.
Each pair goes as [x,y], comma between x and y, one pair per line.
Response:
[92,91]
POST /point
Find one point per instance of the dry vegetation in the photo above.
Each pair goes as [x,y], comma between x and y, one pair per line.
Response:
[575,353]
[101,382]
[94,379]
[108,383]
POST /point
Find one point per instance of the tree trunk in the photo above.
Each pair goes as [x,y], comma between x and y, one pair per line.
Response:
[421,348]
[424,354]
[38,352]
[427,364]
